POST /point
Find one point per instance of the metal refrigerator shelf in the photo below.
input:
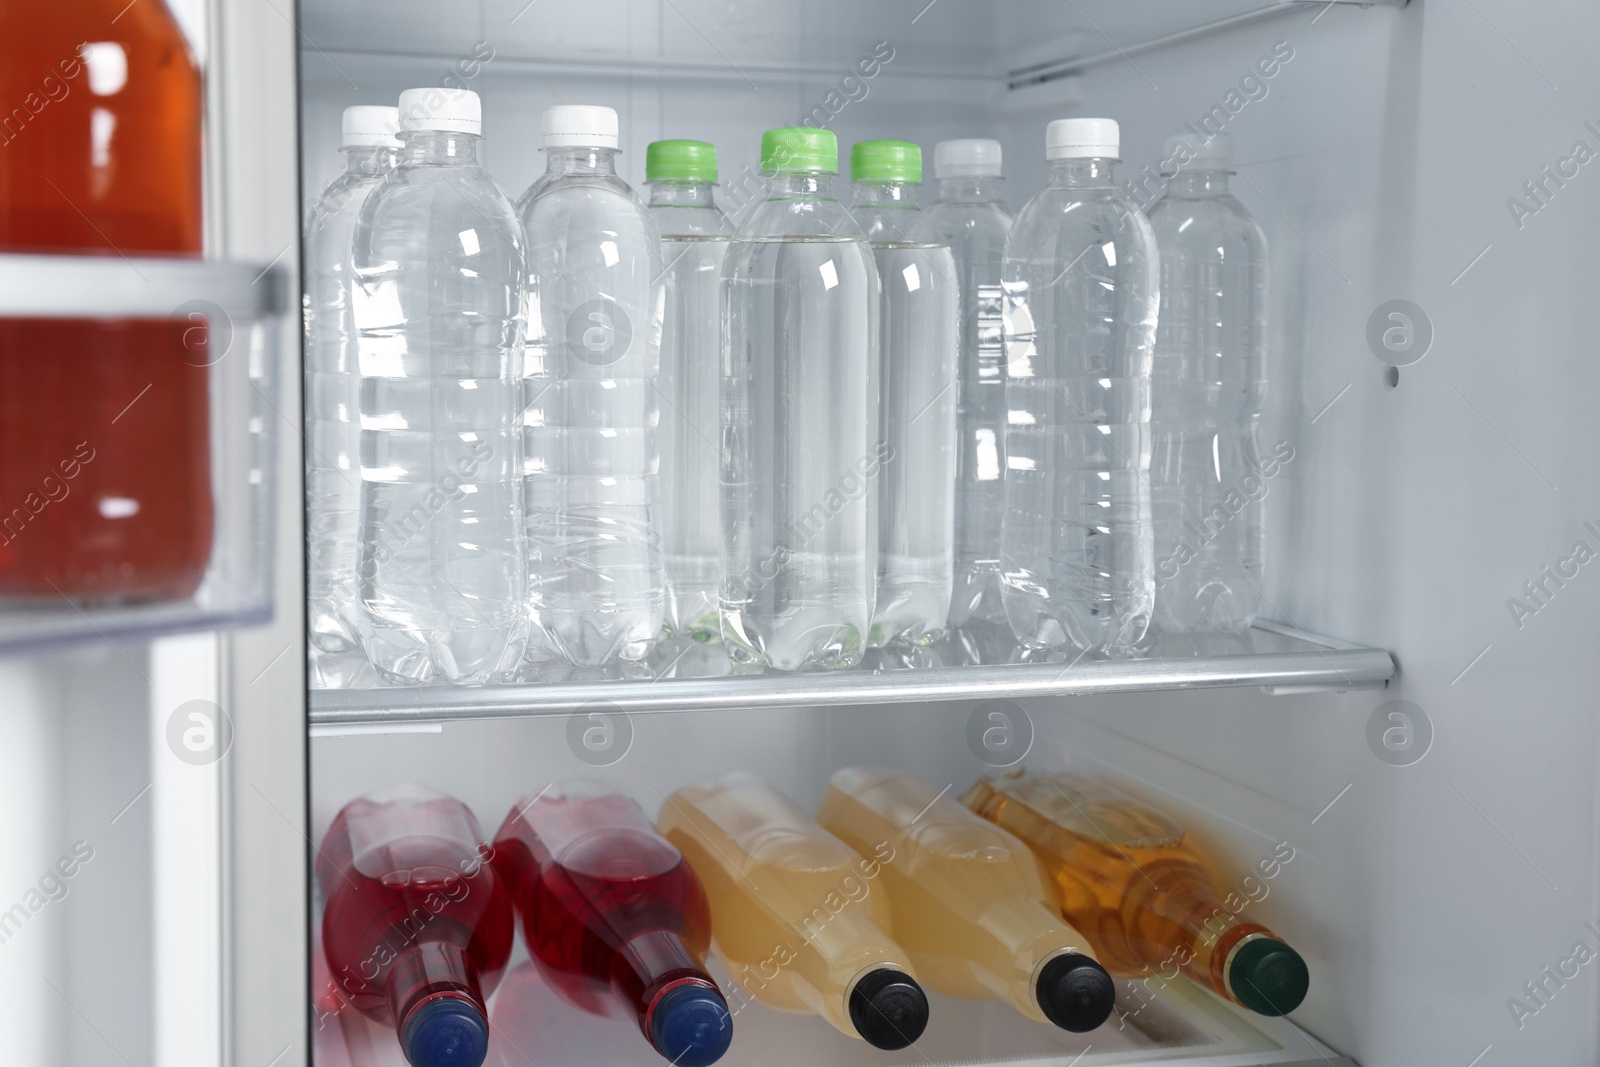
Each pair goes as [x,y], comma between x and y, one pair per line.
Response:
[1279,658]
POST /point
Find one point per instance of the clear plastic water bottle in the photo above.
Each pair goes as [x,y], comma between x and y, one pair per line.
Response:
[1206,480]
[333,378]
[974,220]
[801,447]
[595,587]
[918,355]
[440,276]
[694,244]
[1081,296]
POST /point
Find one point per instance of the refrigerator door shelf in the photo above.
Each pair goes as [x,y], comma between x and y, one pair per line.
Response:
[222,321]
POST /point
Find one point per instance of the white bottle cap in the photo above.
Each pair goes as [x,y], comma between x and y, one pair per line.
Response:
[967,157]
[435,108]
[1082,139]
[580,126]
[371,126]
[1203,153]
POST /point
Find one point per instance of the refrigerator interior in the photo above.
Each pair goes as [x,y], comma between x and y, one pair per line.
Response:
[1436,871]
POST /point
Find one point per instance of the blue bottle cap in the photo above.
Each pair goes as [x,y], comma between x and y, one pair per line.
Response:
[691,1026]
[448,1032]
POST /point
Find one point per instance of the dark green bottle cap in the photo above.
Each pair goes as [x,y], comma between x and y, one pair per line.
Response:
[1268,977]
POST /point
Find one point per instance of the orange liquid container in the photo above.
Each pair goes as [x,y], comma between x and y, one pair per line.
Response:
[1139,891]
[105,469]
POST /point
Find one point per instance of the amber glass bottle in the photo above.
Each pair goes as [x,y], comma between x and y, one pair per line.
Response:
[1140,891]
[105,468]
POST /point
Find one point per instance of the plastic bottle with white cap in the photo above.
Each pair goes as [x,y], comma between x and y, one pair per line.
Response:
[439,283]
[1080,280]
[1209,384]
[595,583]
[972,215]
[333,380]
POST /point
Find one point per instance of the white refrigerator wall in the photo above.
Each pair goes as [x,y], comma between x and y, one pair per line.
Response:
[1443,858]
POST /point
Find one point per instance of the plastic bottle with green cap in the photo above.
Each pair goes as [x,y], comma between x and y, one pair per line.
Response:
[918,351]
[801,445]
[972,215]
[694,243]
[595,588]
[1081,288]
[1132,880]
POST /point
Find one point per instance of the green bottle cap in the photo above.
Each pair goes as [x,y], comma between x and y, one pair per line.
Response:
[885,161]
[680,161]
[1268,977]
[799,148]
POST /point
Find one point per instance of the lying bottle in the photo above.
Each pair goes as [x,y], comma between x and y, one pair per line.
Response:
[614,917]
[968,901]
[799,917]
[417,926]
[1126,872]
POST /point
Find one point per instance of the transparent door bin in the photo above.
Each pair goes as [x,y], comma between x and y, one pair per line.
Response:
[157,517]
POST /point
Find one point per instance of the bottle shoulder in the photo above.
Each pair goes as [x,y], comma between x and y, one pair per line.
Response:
[674,221]
[952,215]
[897,225]
[1204,221]
[442,191]
[580,194]
[783,218]
[1058,217]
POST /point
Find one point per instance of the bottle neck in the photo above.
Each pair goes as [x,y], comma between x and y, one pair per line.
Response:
[649,964]
[368,161]
[439,147]
[429,971]
[1081,173]
[581,160]
[681,194]
[800,185]
[1191,182]
[886,194]
[972,189]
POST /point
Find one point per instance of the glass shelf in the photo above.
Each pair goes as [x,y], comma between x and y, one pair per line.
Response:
[222,320]
[1279,658]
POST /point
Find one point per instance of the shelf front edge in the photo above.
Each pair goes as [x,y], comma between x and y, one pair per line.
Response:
[1333,669]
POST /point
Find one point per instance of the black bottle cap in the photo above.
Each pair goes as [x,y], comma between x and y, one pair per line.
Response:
[888,1008]
[1075,993]
[1268,977]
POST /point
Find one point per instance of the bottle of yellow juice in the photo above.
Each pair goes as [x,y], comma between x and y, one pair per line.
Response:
[797,917]
[1145,896]
[968,901]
